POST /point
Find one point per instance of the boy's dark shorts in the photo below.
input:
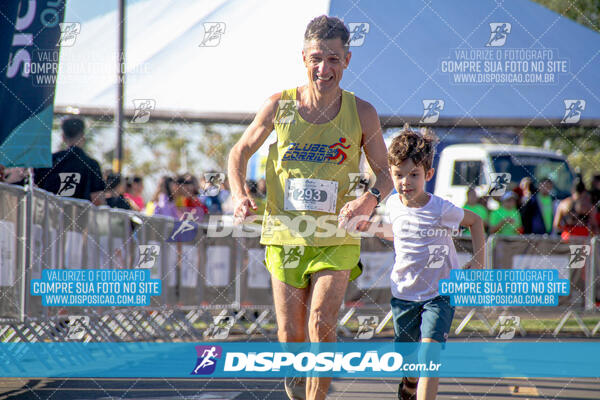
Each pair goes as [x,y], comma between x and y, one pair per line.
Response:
[415,320]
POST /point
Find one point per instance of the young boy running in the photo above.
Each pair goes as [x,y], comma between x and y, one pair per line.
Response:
[421,228]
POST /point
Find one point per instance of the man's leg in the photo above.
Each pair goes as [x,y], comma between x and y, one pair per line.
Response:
[327,293]
[291,304]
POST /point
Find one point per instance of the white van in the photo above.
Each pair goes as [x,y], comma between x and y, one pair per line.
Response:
[462,165]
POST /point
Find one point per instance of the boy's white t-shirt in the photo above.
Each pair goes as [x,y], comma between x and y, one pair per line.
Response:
[421,236]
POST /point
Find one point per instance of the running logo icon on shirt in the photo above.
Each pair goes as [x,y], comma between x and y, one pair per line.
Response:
[212,34]
[148,254]
[508,325]
[186,229]
[207,359]
[499,183]
[291,256]
[431,110]
[437,255]
[68,183]
[579,254]
[358,32]
[573,110]
[367,324]
[68,33]
[499,33]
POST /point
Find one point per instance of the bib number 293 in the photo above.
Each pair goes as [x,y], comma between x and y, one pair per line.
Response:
[310,194]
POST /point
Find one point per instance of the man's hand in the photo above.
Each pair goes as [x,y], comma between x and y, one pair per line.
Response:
[243,207]
[355,214]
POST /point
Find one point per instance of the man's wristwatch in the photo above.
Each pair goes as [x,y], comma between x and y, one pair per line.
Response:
[375,192]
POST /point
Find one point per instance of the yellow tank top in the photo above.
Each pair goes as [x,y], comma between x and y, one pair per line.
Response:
[309,171]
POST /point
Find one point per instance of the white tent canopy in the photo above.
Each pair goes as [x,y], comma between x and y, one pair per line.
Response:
[166,63]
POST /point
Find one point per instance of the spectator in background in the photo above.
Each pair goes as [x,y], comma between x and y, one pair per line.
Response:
[115,187]
[225,198]
[163,201]
[537,211]
[525,189]
[187,196]
[213,203]
[595,191]
[506,220]
[73,172]
[576,215]
[261,187]
[133,192]
[473,204]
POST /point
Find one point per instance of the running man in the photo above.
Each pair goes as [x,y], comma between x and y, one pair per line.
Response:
[207,361]
[187,219]
[305,184]
[574,109]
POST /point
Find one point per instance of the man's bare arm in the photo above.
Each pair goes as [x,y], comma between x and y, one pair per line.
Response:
[361,209]
[374,147]
[254,136]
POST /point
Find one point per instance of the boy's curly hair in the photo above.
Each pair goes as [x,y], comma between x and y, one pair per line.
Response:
[418,146]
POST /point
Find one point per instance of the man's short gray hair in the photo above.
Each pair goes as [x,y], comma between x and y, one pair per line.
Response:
[324,28]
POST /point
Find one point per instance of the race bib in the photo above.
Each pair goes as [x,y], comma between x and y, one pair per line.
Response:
[310,195]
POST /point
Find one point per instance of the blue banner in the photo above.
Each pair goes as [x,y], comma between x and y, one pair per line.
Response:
[260,359]
[96,287]
[29,37]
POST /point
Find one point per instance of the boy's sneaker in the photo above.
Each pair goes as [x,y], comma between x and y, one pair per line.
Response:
[403,394]
[295,387]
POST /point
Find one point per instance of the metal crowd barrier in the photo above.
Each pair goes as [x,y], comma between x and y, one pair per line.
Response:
[213,285]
